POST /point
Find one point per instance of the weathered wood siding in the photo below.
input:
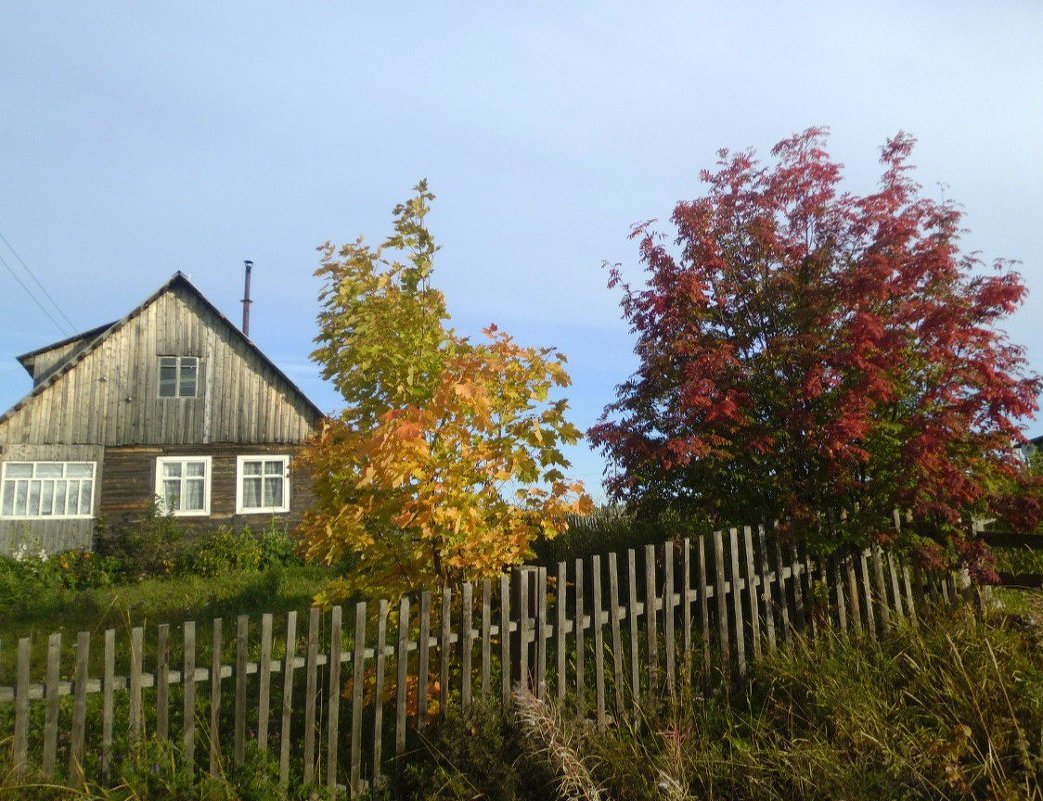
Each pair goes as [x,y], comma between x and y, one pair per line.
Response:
[42,363]
[112,396]
[130,482]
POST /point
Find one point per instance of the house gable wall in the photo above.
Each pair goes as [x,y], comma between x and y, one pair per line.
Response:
[111,396]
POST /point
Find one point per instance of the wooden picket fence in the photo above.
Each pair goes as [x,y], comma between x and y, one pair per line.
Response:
[349,705]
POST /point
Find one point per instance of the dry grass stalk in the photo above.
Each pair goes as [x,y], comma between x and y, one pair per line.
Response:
[550,741]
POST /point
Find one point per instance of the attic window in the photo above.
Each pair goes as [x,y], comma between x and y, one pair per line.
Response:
[178,376]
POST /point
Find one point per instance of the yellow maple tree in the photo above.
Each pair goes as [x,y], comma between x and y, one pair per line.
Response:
[446,461]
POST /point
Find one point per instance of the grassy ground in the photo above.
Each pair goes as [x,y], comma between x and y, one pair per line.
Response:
[152,601]
[953,710]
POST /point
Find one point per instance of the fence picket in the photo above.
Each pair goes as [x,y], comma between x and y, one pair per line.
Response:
[617,639]
[505,639]
[704,604]
[402,668]
[521,588]
[264,681]
[740,634]
[867,596]
[686,603]
[242,645]
[487,637]
[423,660]
[21,708]
[786,630]
[881,588]
[378,691]
[635,656]
[50,725]
[445,651]
[853,595]
[79,708]
[137,636]
[669,609]
[599,641]
[288,665]
[561,608]
[652,641]
[751,592]
[836,579]
[581,625]
[163,681]
[721,604]
[467,602]
[542,633]
[910,603]
[766,599]
[357,696]
[107,682]
[797,579]
[215,697]
[896,593]
[188,695]
[333,697]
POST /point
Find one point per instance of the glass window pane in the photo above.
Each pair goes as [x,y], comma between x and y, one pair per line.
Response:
[251,468]
[19,470]
[273,492]
[21,498]
[172,496]
[195,468]
[167,377]
[79,470]
[50,469]
[33,507]
[193,495]
[86,489]
[59,497]
[251,493]
[189,369]
[171,469]
[273,468]
[7,504]
[46,497]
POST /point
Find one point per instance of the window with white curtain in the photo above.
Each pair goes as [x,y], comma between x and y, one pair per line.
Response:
[262,484]
[47,489]
[183,484]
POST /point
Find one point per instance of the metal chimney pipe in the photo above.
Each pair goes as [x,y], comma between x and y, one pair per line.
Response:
[246,298]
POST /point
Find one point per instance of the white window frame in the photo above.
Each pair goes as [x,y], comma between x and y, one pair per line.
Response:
[208,478]
[177,376]
[93,479]
[240,476]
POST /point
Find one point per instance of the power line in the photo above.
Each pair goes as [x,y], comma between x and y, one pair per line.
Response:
[21,283]
[32,275]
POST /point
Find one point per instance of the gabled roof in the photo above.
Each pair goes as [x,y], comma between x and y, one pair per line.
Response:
[101,333]
[28,357]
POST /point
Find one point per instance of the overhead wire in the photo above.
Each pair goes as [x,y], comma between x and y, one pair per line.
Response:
[72,325]
[34,299]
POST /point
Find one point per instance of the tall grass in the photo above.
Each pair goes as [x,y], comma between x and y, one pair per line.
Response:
[953,710]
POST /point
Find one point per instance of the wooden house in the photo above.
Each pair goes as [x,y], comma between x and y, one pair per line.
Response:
[172,404]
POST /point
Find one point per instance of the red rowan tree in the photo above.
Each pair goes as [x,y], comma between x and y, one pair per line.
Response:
[820,358]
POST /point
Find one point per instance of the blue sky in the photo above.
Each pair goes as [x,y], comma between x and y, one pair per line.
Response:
[137,139]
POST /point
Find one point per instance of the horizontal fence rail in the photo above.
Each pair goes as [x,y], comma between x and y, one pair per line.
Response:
[339,699]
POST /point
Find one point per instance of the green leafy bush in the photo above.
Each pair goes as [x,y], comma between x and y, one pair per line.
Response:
[222,551]
[153,545]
